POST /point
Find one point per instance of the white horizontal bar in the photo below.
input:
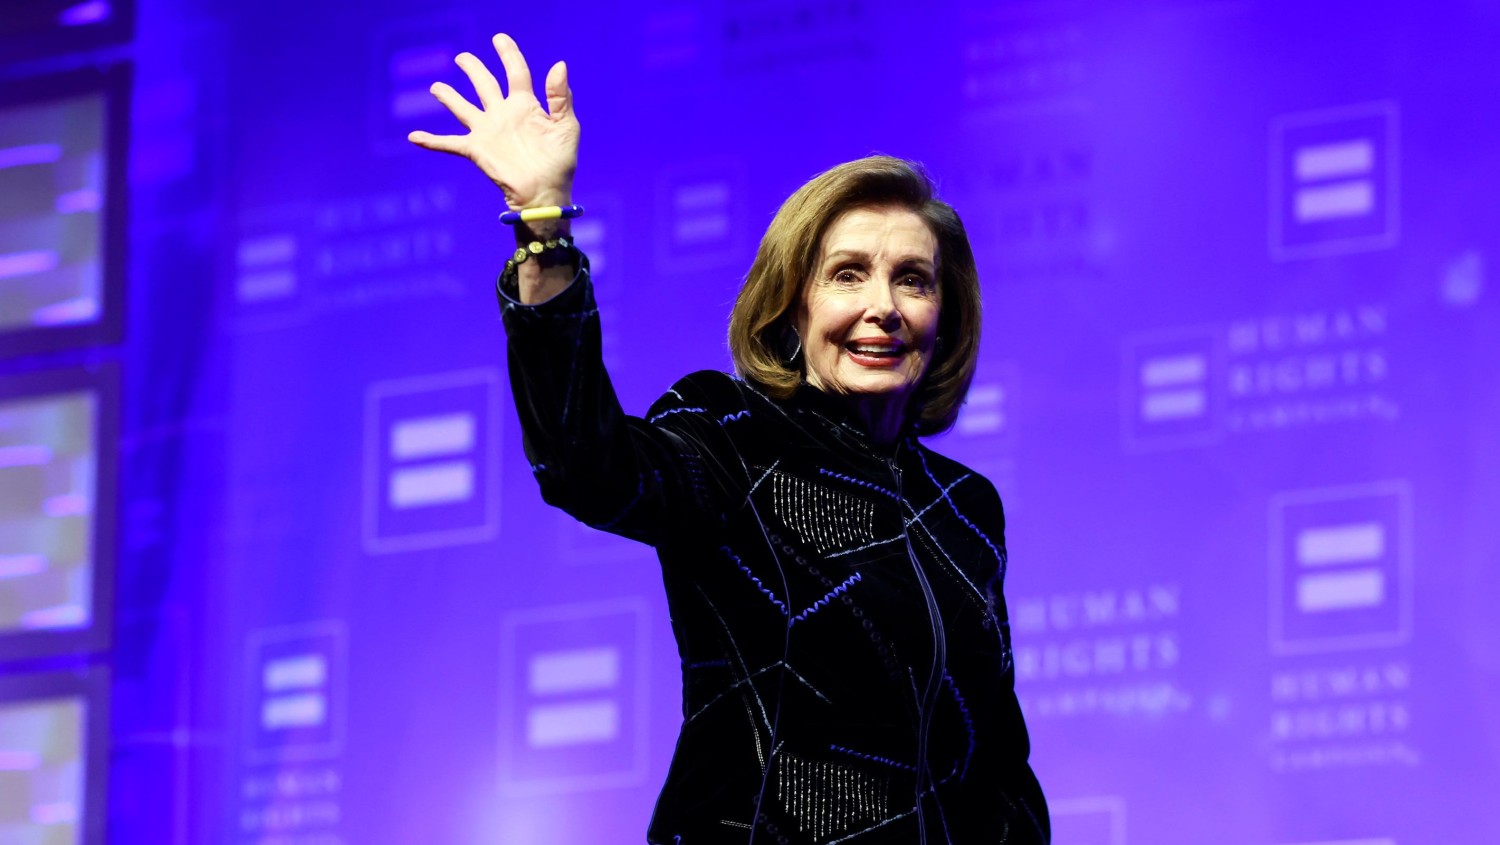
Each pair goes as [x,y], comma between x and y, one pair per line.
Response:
[87,12]
[25,455]
[1341,158]
[54,812]
[30,154]
[83,309]
[270,249]
[432,484]
[27,263]
[582,723]
[1340,590]
[701,195]
[985,394]
[1173,404]
[1352,543]
[302,710]
[1177,369]
[16,566]
[19,760]
[1336,201]
[413,103]
[271,284]
[56,616]
[588,232]
[981,421]
[421,63]
[66,504]
[578,670]
[429,437]
[81,200]
[695,229]
[299,671]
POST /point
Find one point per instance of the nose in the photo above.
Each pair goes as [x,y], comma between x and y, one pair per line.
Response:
[880,304]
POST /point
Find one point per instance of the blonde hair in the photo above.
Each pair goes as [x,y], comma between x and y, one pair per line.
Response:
[785,262]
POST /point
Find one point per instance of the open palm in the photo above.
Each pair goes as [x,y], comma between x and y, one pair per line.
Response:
[530,153]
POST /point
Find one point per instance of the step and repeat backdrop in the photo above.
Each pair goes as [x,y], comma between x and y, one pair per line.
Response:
[273,569]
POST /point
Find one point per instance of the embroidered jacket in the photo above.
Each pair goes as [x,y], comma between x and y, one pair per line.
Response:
[846,660]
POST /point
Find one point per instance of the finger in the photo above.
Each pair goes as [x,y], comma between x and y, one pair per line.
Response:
[559,95]
[441,143]
[517,74]
[466,112]
[484,82]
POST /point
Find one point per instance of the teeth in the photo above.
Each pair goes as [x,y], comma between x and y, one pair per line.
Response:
[875,349]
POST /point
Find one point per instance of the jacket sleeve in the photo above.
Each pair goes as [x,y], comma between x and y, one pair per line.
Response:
[647,479]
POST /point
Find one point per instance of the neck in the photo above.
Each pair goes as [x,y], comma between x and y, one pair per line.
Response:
[883,416]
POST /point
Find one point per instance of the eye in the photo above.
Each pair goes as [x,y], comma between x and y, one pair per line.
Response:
[845,277]
[916,280]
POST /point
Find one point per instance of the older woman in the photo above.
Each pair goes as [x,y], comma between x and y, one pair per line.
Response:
[834,585]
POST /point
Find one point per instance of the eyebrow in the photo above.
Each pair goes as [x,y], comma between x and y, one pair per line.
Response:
[846,254]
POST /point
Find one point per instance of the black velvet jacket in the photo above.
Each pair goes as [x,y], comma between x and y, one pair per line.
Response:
[846,660]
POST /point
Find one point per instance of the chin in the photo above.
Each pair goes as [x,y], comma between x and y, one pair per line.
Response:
[878,384]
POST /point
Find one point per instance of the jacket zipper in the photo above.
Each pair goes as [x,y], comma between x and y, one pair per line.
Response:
[939,657]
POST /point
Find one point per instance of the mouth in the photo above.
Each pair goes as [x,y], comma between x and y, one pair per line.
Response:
[876,352]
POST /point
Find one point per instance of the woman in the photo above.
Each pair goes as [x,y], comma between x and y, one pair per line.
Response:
[833,584]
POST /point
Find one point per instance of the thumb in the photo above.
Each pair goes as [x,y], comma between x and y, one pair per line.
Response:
[559,96]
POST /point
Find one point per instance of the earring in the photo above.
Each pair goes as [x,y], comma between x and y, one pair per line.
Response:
[796,351]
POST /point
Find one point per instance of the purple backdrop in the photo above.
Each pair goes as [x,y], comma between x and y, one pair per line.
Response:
[1237,389]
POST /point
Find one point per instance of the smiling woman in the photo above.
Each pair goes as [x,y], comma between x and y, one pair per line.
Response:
[846,240]
[834,585]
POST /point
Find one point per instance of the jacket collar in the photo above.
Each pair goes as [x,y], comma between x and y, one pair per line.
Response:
[838,411]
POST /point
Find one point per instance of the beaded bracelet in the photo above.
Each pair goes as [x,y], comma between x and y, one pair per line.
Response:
[537,249]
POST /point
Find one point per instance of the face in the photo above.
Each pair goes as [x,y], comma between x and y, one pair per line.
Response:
[868,317]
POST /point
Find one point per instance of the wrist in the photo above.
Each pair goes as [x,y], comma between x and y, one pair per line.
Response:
[560,195]
[541,230]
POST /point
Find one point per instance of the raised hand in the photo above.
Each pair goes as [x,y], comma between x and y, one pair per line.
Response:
[530,153]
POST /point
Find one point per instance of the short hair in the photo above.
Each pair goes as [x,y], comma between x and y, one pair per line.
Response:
[785,262]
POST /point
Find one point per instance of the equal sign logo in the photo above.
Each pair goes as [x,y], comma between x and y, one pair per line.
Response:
[266,268]
[984,412]
[1341,568]
[296,691]
[1170,390]
[406,56]
[1174,387]
[572,698]
[1334,181]
[434,459]
[704,214]
[700,214]
[411,72]
[571,692]
[432,462]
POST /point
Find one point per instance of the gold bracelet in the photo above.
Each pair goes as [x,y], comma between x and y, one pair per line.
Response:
[536,249]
